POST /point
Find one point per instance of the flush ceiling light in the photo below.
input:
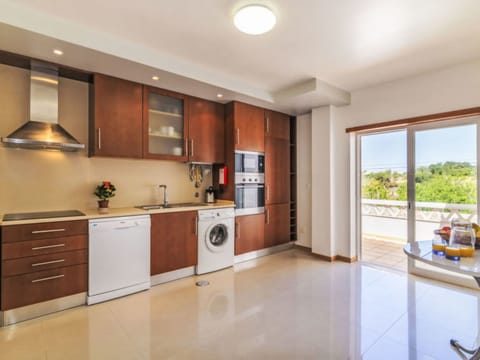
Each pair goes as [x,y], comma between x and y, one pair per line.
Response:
[219,95]
[155,78]
[254,19]
[57,52]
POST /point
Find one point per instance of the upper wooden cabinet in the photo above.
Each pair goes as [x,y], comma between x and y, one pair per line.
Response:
[248,126]
[277,171]
[115,118]
[277,125]
[165,124]
[206,131]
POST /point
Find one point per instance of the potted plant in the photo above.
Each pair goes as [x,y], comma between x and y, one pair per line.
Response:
[104,192]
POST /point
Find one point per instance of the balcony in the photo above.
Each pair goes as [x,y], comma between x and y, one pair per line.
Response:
[384,227]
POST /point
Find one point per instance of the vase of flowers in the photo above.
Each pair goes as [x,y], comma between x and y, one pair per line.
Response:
[104,192]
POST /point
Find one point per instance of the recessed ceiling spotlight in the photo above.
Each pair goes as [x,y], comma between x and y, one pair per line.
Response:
[219,95]
[155,78]
[254,19]
[57,52]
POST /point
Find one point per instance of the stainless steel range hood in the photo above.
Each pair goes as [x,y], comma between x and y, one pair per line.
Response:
[43,130]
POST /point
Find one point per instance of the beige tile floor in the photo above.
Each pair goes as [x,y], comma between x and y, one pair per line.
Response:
[285,306]
[384,253]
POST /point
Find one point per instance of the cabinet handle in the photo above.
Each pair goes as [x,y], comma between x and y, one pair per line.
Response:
[267,217]
[195,225]
[47,231]
[49,262]
[238,136]
[191,147]
[268,124]
[48,278]
[99,138]
[237,230]
[47,247]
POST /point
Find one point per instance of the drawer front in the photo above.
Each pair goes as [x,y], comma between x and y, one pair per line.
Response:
[42,247]
[43,262]
[40,286]
[48,230]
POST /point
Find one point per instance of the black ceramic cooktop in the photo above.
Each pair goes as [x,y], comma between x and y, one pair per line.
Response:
[42,215]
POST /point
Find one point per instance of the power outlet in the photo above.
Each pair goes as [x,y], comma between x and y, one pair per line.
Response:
[197,194]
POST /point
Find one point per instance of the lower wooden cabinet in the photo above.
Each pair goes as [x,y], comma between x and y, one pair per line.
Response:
[174,241]
[277,224]
[43,262]
[249,233]
[45,285]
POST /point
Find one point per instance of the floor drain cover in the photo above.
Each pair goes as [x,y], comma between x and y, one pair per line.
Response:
[202,283]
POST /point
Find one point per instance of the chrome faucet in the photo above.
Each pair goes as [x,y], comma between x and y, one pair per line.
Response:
[165,195]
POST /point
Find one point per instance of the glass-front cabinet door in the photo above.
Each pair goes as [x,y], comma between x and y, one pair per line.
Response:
[165,125]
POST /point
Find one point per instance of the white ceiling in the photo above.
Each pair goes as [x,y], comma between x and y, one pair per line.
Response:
[340,45]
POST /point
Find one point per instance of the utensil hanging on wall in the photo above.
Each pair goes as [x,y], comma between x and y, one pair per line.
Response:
[196,174]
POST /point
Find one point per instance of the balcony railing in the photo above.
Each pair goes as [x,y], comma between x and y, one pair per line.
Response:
[388,218]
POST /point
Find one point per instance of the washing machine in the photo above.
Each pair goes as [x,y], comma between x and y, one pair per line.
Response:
[216,239]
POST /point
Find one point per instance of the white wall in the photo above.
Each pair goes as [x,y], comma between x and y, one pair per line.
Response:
[448,89]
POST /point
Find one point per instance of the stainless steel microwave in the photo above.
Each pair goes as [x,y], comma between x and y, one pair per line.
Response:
[249,162]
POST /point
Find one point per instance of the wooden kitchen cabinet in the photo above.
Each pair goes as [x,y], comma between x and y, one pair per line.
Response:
[173,241]
[206,131]
[277,125]
[277,224]
[249,233]
[248,127]
[43,261]
[165,125]
[115,127]
[277,171]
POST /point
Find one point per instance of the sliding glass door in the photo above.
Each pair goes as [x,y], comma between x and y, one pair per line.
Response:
[436,182]
[442,174]
[445,177]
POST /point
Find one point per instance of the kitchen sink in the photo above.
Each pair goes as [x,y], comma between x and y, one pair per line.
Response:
[169,206]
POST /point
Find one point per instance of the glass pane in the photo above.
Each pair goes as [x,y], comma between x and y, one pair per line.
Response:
[445,178]
[165,125]
[384,198]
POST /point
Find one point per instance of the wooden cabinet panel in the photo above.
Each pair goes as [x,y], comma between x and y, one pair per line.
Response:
[40,286]
[173,241]
[116,124]
[165,124]
[44,246]
[249,127]
[277,224]
[46,230]
[43,262]
[277,125]
[277,171]
[206,131]
[249,233]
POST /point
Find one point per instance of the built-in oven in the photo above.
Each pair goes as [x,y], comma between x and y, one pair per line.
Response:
[249,199]
[249,183]
[249,162]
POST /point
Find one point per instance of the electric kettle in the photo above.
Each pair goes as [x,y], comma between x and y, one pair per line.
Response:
[210,195]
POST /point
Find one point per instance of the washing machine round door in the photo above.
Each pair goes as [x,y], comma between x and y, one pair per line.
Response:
[216,237]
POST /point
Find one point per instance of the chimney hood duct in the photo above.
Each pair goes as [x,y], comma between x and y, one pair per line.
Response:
[43,131]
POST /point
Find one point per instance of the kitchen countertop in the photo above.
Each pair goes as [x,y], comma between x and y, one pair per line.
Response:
[114,212]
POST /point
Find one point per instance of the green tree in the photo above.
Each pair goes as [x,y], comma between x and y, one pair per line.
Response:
[449,182]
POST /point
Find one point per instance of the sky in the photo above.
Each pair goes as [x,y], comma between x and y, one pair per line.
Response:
[389,150]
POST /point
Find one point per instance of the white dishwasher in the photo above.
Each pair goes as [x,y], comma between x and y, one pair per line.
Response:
[118,257]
